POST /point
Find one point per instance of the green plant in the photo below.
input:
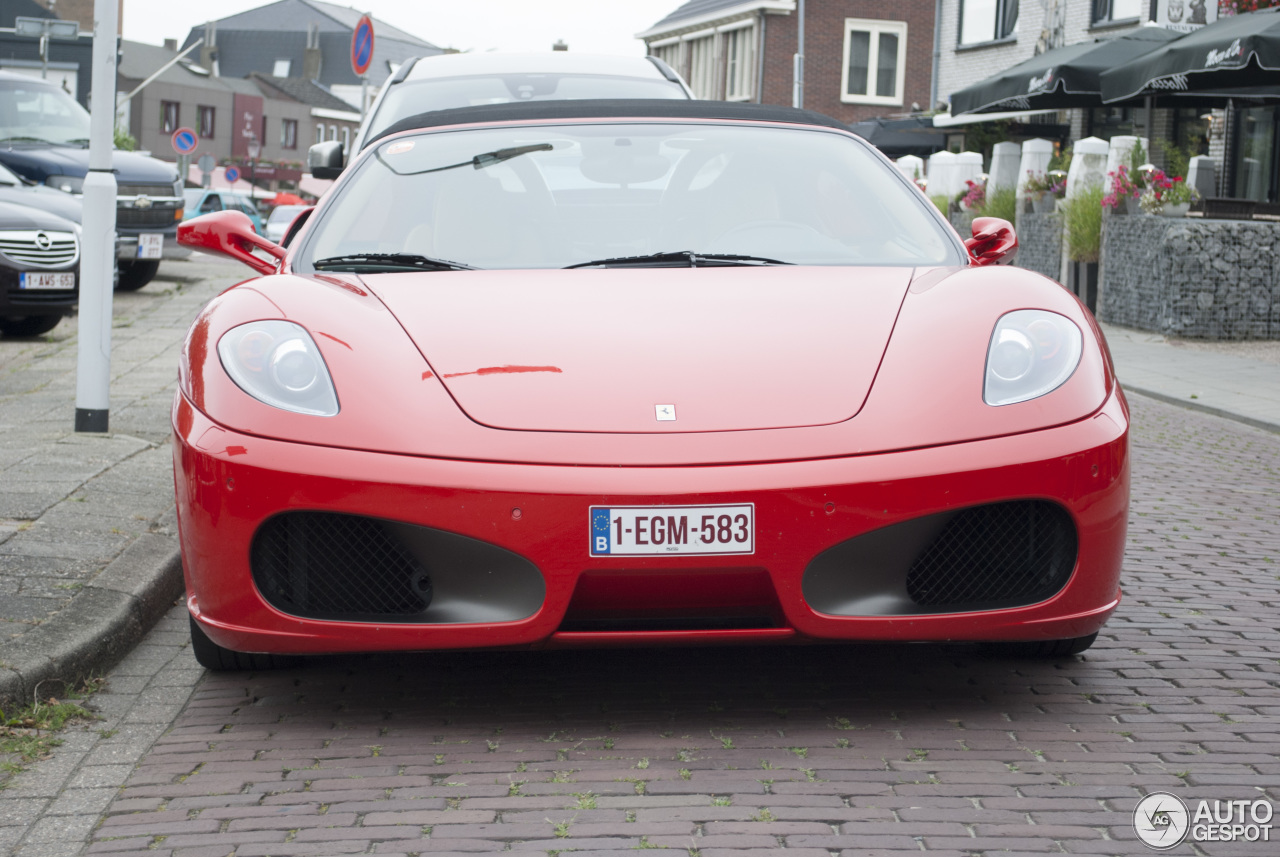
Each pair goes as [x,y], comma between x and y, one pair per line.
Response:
[123,140]
[941,202]
[1083,221]
[1002,203]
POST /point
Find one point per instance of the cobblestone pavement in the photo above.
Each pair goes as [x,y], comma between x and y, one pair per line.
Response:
[852,750]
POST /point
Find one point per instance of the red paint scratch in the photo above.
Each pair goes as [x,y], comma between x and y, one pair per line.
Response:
[237,450]
[427,376]
[335,339]
[505,370]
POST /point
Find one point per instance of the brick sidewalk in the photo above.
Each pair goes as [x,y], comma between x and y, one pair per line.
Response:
[857,750]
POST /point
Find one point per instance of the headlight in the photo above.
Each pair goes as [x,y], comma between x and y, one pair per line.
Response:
[278,364]
[1032,352]
[71,184]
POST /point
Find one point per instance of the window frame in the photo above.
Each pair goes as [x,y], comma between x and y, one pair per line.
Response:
[743,75]
[289,133]
[876,27]
[1001,13]
[702,65]
[164,116]
[1110,19]
[206,132]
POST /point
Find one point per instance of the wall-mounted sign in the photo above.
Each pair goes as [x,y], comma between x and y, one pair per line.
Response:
[1184,16]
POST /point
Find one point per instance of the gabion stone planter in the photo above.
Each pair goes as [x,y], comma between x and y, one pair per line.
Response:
[1212,279]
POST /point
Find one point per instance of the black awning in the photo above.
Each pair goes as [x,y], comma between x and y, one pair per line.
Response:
[913,135]
[1237,56]
[1058,79]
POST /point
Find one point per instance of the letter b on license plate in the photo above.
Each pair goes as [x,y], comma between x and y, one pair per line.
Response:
[672,530]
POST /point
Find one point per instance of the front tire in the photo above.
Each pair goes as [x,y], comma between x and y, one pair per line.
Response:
[214,657]
[135,275]
[29,325]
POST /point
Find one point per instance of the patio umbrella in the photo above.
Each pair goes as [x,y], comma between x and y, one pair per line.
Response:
[1238,57]
[1060,78]
[285,198]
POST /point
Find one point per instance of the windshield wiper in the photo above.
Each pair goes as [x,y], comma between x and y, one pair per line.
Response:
[480,161]
[374,263]
[674,258]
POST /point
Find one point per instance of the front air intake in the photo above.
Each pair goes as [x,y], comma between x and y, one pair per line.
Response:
[325,565]
[1003,553]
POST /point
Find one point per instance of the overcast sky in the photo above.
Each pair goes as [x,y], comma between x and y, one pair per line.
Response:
[595,26]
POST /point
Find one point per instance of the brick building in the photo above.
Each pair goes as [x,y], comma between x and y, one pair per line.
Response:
[862,58]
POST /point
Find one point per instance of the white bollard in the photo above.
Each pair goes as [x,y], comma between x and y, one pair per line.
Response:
[942,174]
[1088,166]
[968,168]
[1036,156]
[1120,151]
[911,167]
[1005,158]
[1202,175]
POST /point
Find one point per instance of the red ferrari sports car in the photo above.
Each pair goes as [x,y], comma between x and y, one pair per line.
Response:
[639,372]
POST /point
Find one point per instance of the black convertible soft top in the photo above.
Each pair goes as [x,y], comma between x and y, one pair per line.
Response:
[605,108]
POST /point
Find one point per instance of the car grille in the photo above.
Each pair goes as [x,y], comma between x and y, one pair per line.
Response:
[1003,553]
[40,248]
[160,217]
[324,565]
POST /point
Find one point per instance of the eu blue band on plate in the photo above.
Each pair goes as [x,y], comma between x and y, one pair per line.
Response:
[600,531]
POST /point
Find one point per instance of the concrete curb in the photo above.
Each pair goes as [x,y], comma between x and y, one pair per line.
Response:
[100,625]
[1207,409]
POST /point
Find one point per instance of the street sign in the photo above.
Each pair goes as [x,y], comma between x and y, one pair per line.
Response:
[185,141]
[233,175]
[206,163]
[362,46]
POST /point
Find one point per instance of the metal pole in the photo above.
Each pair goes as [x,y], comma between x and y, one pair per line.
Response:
[797,95]
[44,57]
[98,239]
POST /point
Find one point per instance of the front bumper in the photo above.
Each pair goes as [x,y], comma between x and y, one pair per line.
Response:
[228,484]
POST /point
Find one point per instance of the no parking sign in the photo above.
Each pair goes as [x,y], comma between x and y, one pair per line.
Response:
[185,141]
[362,46]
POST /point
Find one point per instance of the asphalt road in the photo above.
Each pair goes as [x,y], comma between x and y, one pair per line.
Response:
[852,750]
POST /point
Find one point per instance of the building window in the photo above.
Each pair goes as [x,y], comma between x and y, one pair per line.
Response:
[169,116]
[207,115]
[740,56]
[288,133]
[320,133]
[702,67]
[281,68]
[989,20]
[333,132]
[1106,11]
[668,53]
[346,138]
[874,61]
[263,138]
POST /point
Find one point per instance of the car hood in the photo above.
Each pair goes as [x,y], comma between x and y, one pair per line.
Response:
[726,349]
[37,163]
[25,217]
[47,199]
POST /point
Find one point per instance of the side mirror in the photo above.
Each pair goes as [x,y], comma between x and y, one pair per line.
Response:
[231,234]
[993,241]
[325,160]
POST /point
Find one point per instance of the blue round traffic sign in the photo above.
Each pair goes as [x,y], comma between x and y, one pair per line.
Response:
[233,174]
[362,46]
[185,141]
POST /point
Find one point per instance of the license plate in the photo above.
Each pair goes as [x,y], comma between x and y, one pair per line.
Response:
[34,280]
[673,530]
[150,245]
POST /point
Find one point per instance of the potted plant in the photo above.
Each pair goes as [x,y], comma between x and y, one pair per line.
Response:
[1044,190]
[1171,197]
[1083,222]
[1126,190]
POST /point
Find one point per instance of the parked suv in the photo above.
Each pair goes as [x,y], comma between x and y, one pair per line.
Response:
[202,200]
[424,84]
[44,137]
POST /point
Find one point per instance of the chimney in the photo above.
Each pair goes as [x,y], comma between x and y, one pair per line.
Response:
[559,45]
[311,56]
[209,50]
[171,45]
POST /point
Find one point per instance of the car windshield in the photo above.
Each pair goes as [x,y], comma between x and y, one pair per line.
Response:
[420,96]
[552,196]
[35,112]
[284,213]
